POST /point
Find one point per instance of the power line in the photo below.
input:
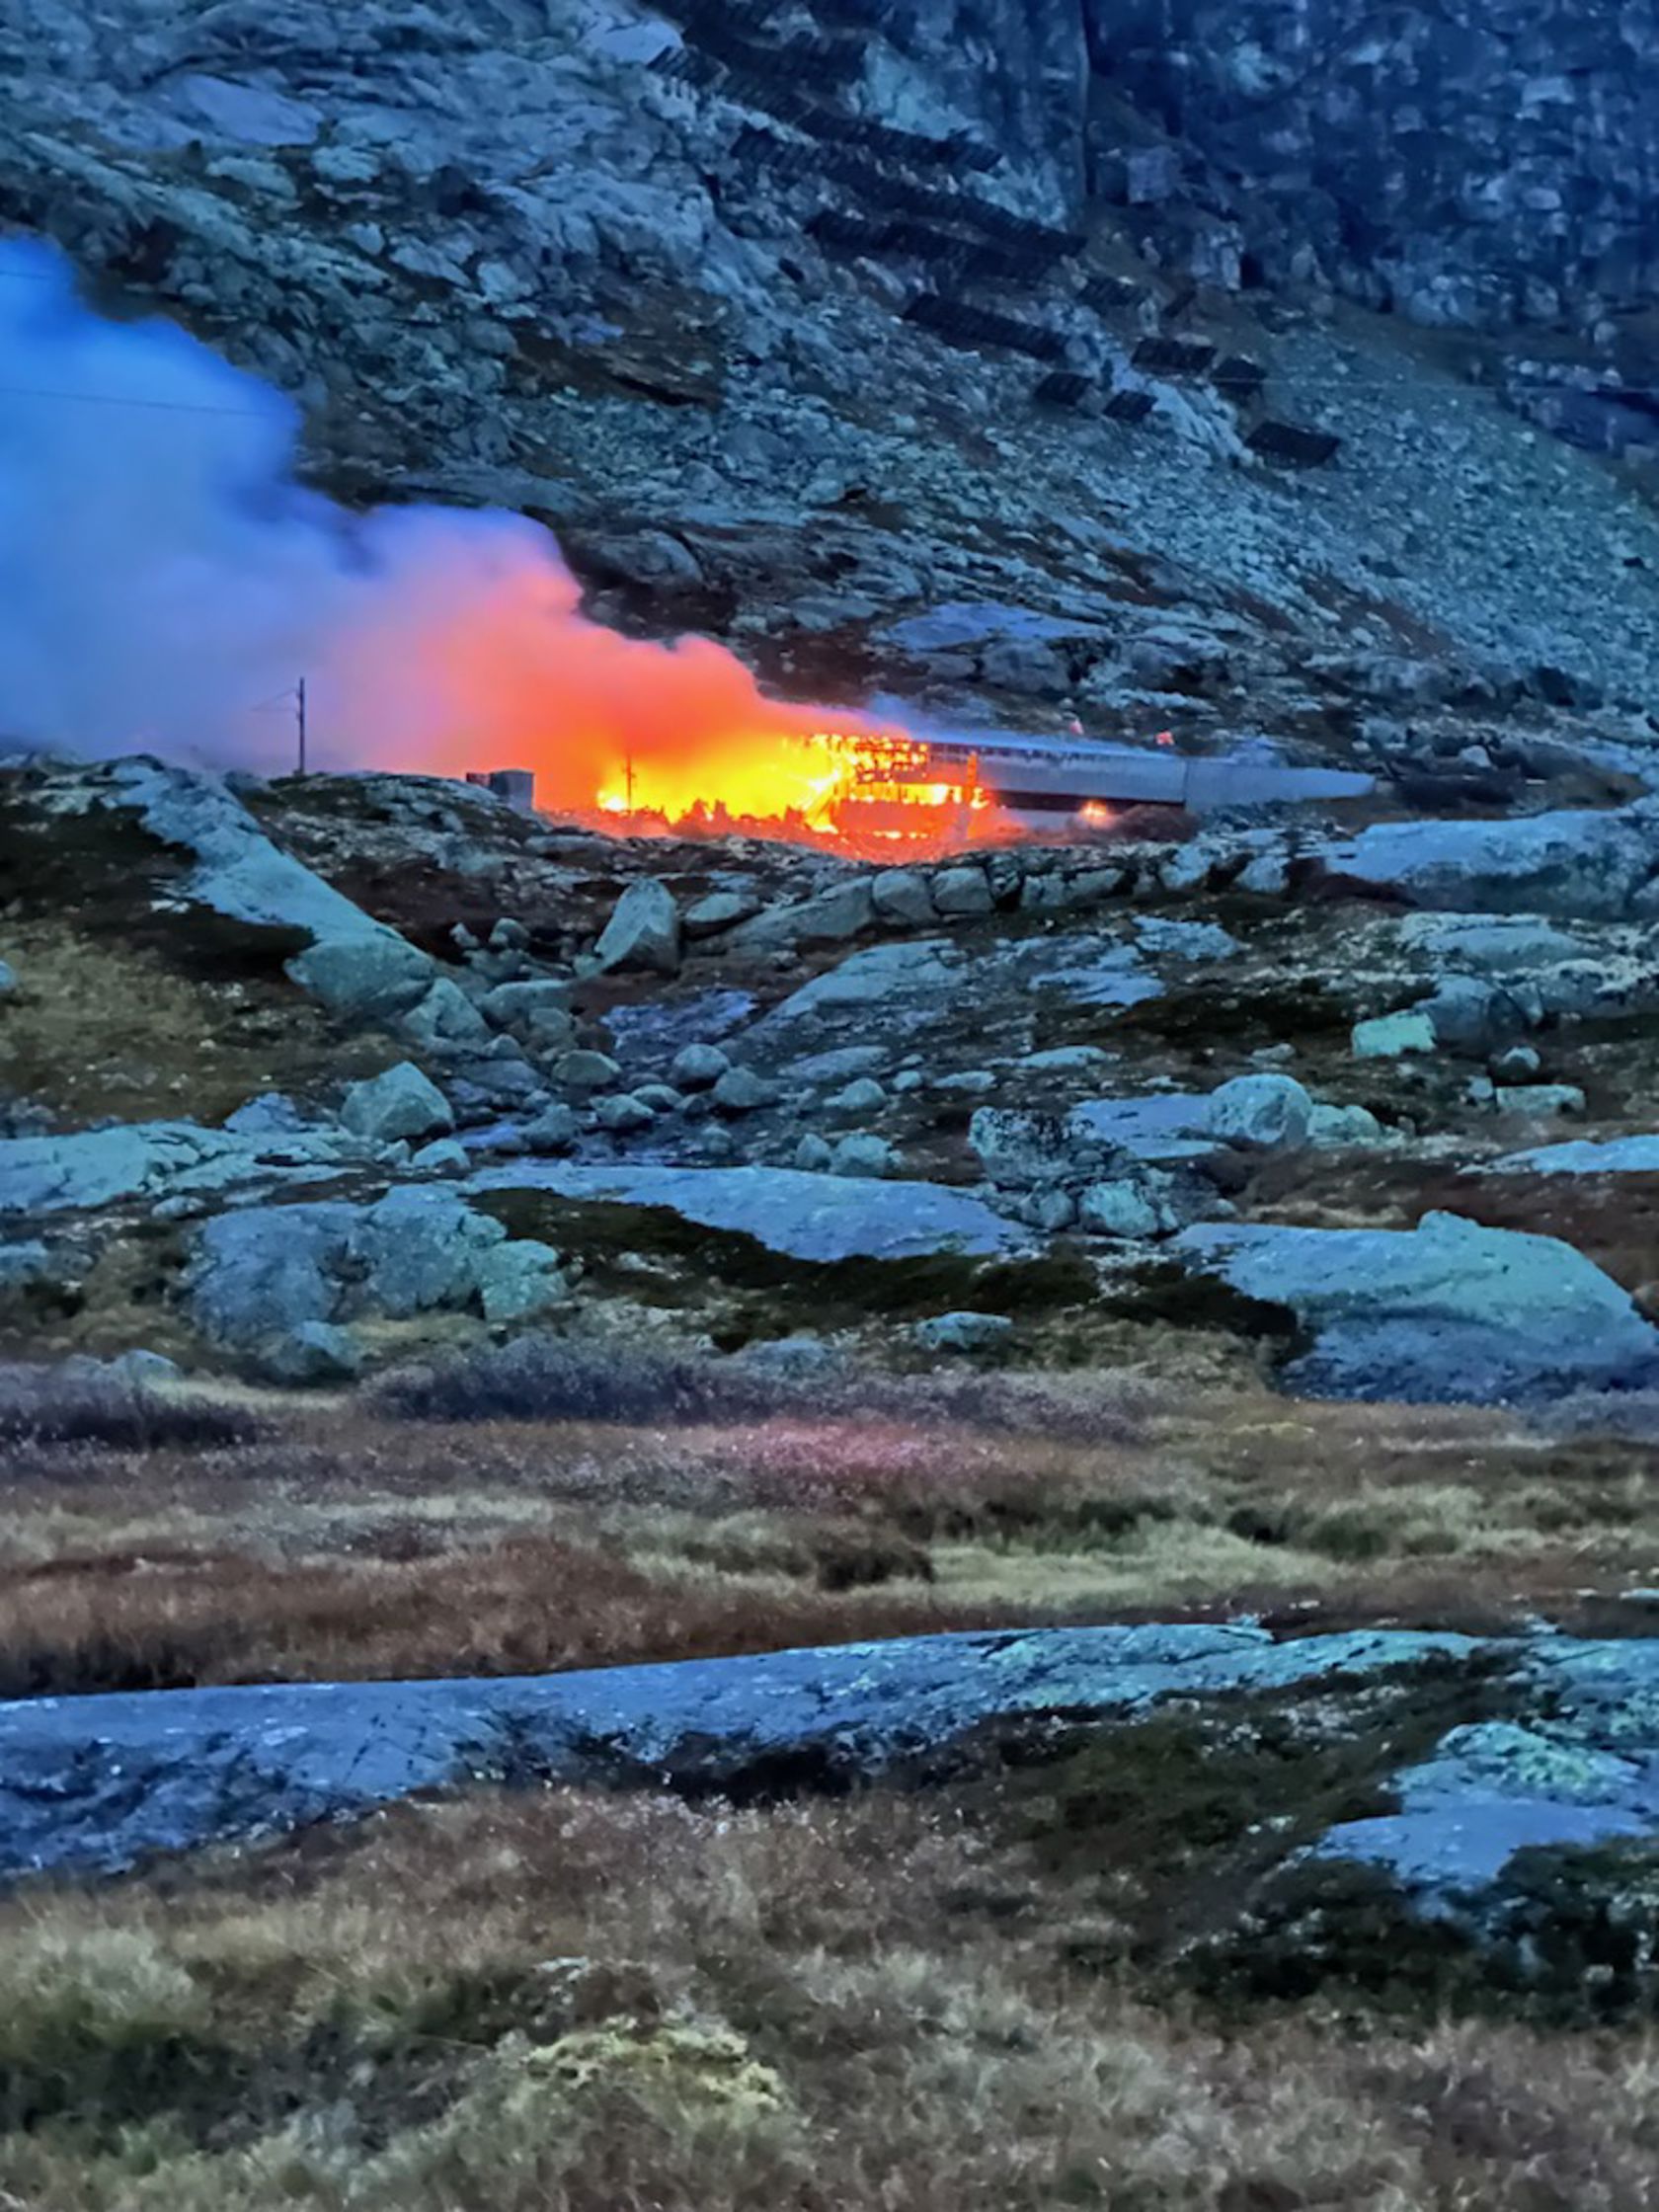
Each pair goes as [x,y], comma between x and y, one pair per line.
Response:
[116,399]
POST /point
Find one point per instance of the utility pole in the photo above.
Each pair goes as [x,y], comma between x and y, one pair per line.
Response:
[628,775]
[299,717]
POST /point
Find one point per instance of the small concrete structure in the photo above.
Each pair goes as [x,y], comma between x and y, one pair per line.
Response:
[516,785]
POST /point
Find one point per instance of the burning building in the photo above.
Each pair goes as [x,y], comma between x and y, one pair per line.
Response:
[165,586]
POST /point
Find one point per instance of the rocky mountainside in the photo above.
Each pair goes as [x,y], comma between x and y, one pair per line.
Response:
[803,323]
[445,1245]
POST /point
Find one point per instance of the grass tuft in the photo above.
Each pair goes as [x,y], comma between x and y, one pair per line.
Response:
[40,1405]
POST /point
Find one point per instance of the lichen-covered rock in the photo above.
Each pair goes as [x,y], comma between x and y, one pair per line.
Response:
[93,1784]
[643,931]
[698,1066]
[1575,865]
[964,1332]
[519,1280]
[863,1154]
[1264,1113]
[1392,1036]
[537,1011]
[809,1216]
[401,1103]
[269,1271]
[159,1162]
[1445,1313]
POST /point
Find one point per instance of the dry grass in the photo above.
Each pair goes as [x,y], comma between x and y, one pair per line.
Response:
[100,1030]
[43,1406]
[341,1544]
[584,2004]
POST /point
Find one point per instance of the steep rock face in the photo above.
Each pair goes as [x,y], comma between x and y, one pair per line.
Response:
[1019,68]
[1491,162]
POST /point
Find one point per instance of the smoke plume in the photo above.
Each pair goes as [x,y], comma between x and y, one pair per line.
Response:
[164,582]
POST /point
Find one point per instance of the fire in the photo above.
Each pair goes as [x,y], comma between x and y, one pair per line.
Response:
[487,661]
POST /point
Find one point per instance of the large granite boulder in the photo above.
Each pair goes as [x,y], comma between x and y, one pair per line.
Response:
[1447,1311]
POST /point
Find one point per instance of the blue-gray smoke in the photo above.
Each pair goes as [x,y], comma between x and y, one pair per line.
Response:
[164,581]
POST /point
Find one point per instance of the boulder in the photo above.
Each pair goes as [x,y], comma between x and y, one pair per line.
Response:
[719,911]
[537,1011]
[1392,1036]
[624,1114]
[963,891]
[863,1154]
[585,1070]
[8,977]
[420,1249]
[1338,1126]
[741,1092]
[1260,1113]
[374,975]
[264,1272]
[444,1157]
[857,1100]
[554,1129]
[1518,1064]
[1473,1015]
[828,918]
[1066,893]
[1033,1151]
[1540,1101]
[519,1280]
[271,1115]
[401,1103]
[1446,1312]
[642,930]
[901,897]
[1118,1209]
[698,1066]
[964,1332]
[446,1020]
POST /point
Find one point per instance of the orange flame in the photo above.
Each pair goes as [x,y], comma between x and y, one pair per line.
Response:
[491,664]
